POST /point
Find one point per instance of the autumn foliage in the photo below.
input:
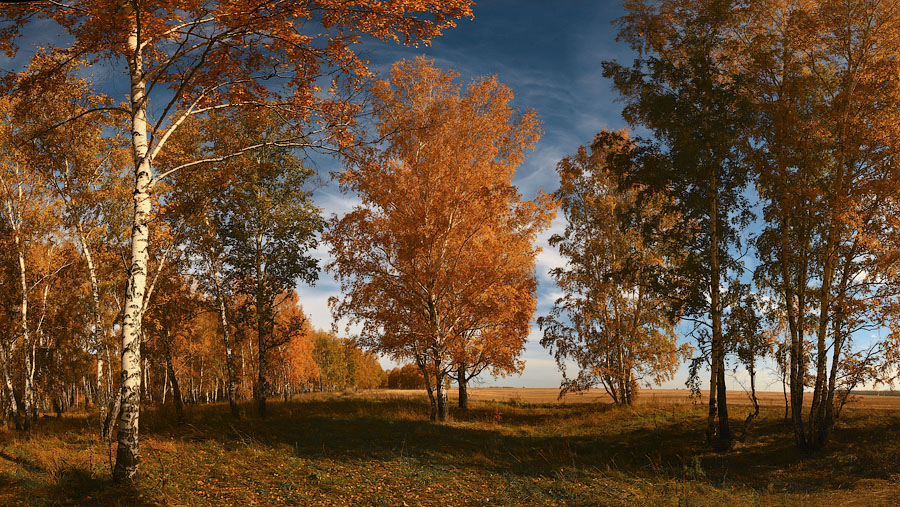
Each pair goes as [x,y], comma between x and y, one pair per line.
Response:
[612,322]
[187,59]
[408,376]
[156,246]
[437,263]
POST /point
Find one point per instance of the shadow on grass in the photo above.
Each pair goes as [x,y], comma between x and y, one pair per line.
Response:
[78,487]
[538,440]
[528,440]
[34,484]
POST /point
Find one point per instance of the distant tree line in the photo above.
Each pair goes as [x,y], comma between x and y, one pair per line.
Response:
[408,376]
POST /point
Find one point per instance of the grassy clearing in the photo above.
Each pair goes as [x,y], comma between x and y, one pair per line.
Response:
[348,450]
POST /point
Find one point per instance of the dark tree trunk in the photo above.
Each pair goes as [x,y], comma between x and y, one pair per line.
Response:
[787,406]
[724,429]
[112,414]
[431,398]
[261,385]
[176,391]
[718,405]
[463,388]
[755,412]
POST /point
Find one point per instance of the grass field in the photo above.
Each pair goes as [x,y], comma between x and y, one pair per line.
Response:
[548,395]
[376,449]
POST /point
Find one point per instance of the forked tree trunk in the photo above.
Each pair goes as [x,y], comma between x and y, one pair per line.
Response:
[176,392]
[753,399]
[112,414]
[430,390]
[128,454]
[718,405]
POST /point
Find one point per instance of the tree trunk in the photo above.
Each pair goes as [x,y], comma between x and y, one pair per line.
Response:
[176,392]
[97,333]
[463,388]
[443,406]
[112,414]
[430,390]
[226,337]
[717,394]
[200,383]
[796,328]
[243,374]
[815,432]
[830,415]
[263,317]
[262,386]
[143,379]
[192,388]
[165,389]
[13,406]
[27,346]
[787,412]
[753,399]
[128,454]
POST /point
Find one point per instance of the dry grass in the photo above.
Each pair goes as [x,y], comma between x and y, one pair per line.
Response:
[352,450]
[549,395]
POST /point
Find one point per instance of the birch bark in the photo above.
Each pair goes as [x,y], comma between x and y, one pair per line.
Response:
[127,455]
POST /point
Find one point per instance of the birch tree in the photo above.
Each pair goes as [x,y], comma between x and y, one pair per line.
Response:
[191,57]
[613,320]
[824,78]
[439,257]
[682,89]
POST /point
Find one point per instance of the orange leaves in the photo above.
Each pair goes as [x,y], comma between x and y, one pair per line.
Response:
[230,54]
[438,261]
[610,322]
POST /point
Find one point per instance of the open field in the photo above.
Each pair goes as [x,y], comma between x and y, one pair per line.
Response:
[375,449]
[887,401]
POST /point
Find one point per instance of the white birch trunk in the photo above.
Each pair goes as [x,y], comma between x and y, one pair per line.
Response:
[7,382]
[97,328]
[226,336]
[28,393]
[127,455]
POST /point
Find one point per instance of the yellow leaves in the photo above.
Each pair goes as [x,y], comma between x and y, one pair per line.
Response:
[440,254]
